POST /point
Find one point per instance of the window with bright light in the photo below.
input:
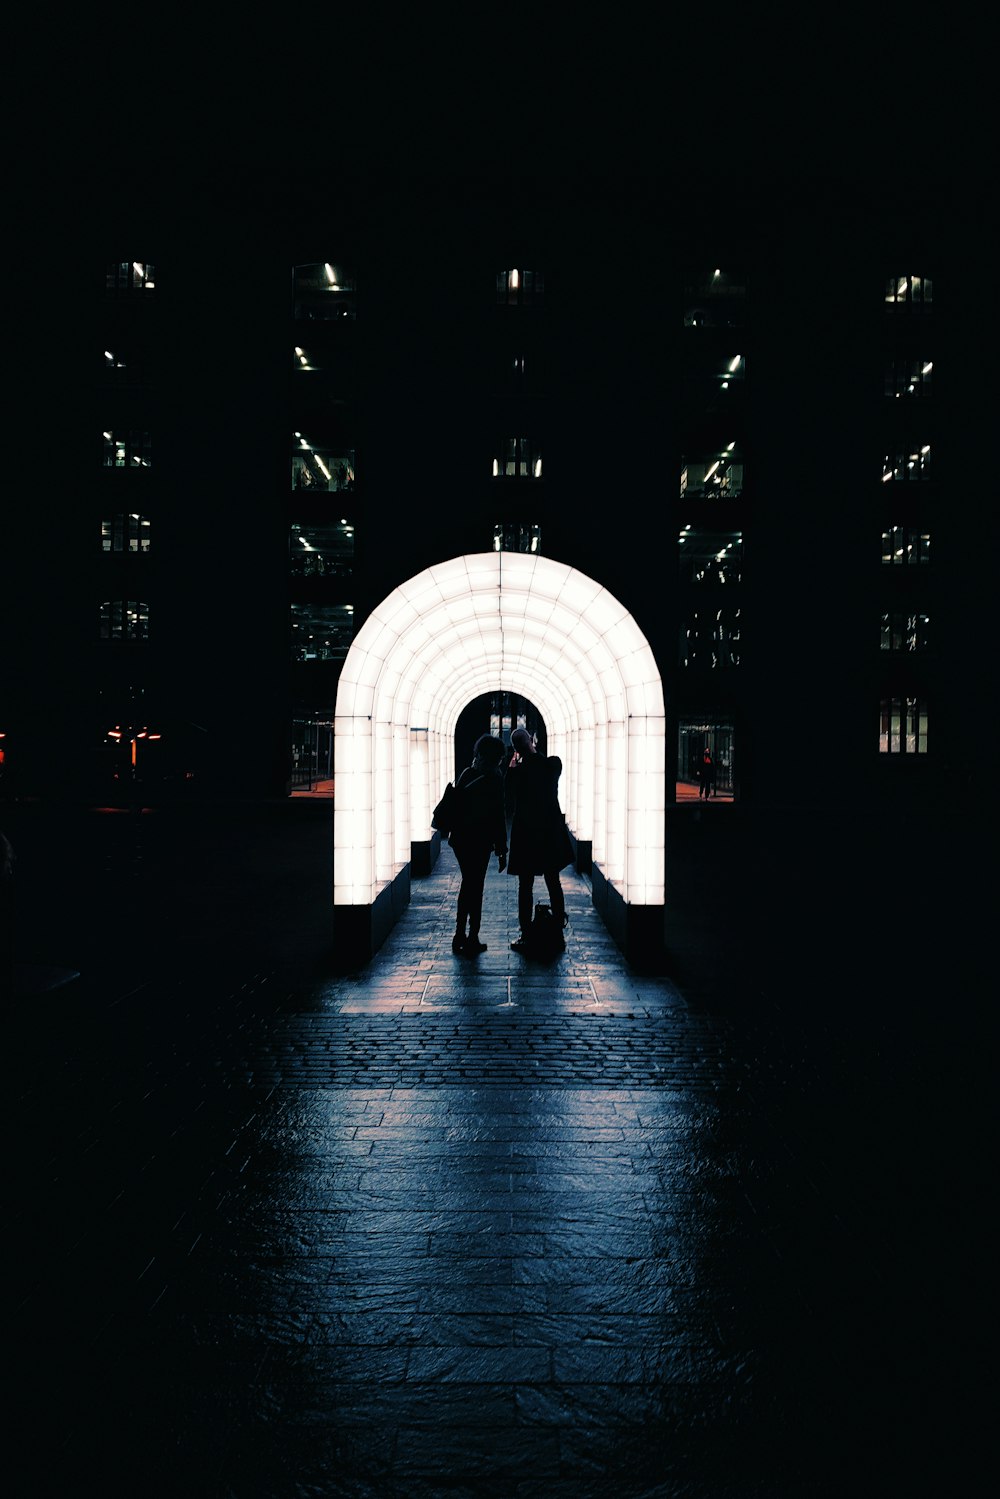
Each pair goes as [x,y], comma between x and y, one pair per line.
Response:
[520,288]
[903,726]
[717,472]
[694,780]
[125,533]
[124,619]
[907,466]
[322,550]
[517,372]
[710,639]
[714,298]
[905,546]
[126,449]
[904,630]
[311,745]
[908,292]
[509,536]
[125,364]
[730,370]
[517,458]
[710,558]
[905,377]
[324,291]
[321,632]
[320,468]
[130,275]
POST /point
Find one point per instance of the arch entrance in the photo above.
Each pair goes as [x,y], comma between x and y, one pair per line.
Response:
[514,623]
[497,713]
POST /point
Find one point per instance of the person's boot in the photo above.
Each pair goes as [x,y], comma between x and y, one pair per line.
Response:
[473,944]
[458,943]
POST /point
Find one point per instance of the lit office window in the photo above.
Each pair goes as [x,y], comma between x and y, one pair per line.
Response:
[902,630]
[903,726]
[324,291]
[908,292]
[125,533]
[130,275]
[906,467]
[716,473]
[321,632]
[125,364]
[902,546]
[905,378]
[517,458]
[322,551]
[516,373]
[129,449]
[124,619]
[710,639]
[731,370]
[710,558]
[512,537]
[519,288]
[698,779]
[319,468]
[714,298]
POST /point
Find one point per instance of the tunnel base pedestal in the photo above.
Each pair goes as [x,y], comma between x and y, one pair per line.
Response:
[424,855]
[637,930]
[359,931]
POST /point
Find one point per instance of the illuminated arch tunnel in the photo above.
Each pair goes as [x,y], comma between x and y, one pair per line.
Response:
[509,622]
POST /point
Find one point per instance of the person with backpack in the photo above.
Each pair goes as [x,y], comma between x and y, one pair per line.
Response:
[539,841]
[479,828]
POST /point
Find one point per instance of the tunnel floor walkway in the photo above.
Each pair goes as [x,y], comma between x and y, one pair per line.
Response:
[464,1227]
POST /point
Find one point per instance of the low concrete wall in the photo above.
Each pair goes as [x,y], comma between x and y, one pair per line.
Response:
[583,853]
[424,855]
[359,931]
[637,930]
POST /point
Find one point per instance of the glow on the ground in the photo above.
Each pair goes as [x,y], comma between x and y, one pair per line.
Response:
[507,622]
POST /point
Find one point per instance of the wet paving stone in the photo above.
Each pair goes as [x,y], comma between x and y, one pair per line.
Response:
[446,1228]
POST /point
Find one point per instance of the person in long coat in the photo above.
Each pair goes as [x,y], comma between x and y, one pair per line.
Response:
[480,831]
[539,841]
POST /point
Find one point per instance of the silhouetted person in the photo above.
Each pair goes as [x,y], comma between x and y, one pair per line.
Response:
[706,775]
[481,830]
[539,842]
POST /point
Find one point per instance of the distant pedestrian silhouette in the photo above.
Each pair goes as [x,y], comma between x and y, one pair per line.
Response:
[706,776]
[539,842]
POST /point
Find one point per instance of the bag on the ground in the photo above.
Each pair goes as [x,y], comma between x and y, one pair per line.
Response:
[545,938]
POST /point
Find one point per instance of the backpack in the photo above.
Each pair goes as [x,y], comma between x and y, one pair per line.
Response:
[447,815]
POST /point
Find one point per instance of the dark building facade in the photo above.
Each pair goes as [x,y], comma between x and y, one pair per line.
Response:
[749,423]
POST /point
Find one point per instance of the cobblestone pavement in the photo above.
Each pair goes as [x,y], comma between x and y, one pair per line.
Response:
[463,1227]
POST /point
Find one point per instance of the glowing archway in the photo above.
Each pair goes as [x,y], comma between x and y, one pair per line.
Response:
[498,621]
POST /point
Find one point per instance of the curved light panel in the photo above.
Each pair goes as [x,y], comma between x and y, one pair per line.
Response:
[498,622]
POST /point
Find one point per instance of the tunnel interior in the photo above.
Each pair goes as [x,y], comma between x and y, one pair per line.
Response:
[509,624]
